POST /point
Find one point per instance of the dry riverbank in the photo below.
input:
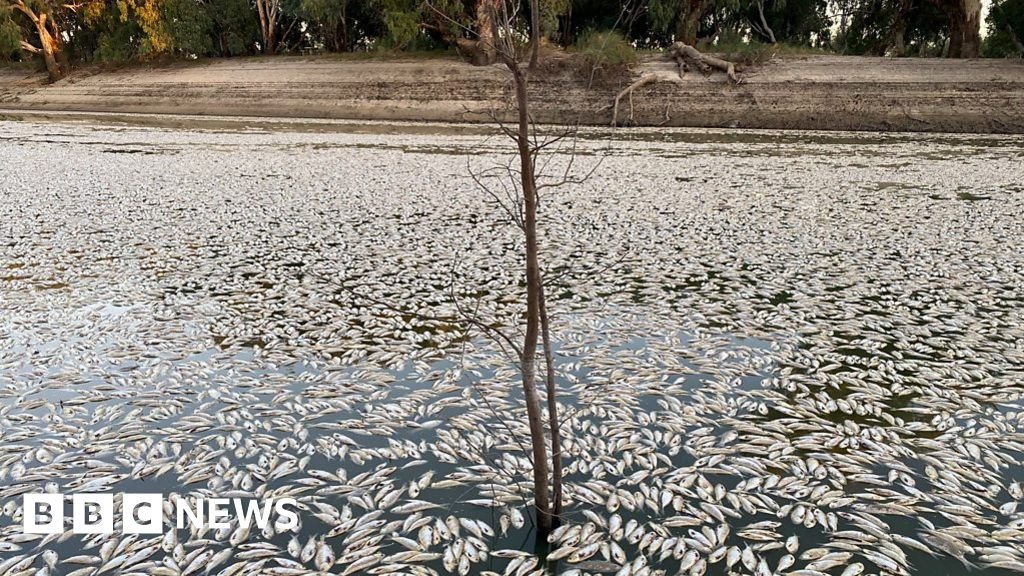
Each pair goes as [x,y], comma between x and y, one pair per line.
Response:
[816,92]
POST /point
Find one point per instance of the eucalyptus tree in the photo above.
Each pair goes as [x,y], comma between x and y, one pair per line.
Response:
[269,12]
[44,21]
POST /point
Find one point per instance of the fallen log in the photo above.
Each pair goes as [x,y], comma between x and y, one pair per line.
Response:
[684,56]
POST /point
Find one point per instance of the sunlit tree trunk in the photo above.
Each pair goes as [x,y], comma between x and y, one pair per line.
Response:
[51,47]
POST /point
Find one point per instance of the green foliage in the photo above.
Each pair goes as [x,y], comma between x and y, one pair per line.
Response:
[189,27]
[665,16]
[235,28]
[1005,29]
[605,49]
[116,35]
[550,12]
[329,22]
[874,25]
[415,25]
[402,27]
[10,35]
[129,30]
[125,30]
[794,22]
[684,19]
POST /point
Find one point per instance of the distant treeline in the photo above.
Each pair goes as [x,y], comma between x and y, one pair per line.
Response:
[63,31]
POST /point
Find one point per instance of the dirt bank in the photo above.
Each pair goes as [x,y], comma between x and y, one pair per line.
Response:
[817,92]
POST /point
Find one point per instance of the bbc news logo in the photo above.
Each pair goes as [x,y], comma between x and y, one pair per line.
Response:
[95,513]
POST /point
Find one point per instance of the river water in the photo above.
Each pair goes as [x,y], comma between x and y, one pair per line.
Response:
[777,352]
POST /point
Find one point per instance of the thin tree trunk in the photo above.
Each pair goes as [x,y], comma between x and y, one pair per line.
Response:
[262,12]
[553,420]
[344,27]
[534,34]
[764,23]
[533,293]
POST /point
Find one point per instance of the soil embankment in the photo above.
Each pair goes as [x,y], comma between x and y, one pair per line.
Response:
[815,92]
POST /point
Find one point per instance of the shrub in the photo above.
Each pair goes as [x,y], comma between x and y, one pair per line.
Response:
[605,49]
[10,36]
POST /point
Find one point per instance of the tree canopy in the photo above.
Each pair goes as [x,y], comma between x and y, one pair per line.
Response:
[128,30]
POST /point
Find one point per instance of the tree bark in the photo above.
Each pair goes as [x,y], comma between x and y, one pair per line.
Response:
[50,45]
[899,29]
[956,33]
[971,47]
[344,27]
[964,17]
[553,420]
[690,22]
[485,49]
[681,52]
[534,34]
[764,23]
[268,13]
[534,292]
